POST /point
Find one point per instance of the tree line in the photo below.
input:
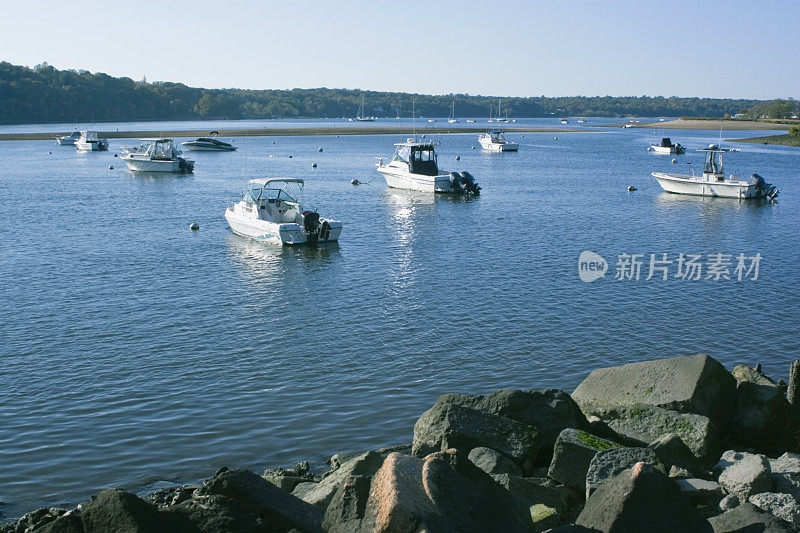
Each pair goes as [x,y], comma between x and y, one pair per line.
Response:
[44,94]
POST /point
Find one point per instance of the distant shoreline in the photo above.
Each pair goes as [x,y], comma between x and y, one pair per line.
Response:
[692,124]
[781,140]
[269,132]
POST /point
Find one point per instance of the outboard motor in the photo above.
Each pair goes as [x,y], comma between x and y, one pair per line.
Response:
[469,184]
[455,183]
[766,189]
[184,165]
[312,225]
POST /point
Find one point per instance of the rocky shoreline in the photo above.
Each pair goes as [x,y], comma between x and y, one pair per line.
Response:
[677,444]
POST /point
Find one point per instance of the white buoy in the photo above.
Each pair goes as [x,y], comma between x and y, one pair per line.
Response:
[555,138]
[674,160]
[320,150]
[354,181]
[313,165]
[631,188]
[194,226]
[458,158]
[473,147]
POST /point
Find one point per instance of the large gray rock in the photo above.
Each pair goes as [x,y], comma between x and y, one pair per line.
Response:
[320,494]
[66,523]
[442,492]
[446,426]
[744,474]
[640,499]
[644,424]
[778,504]
[690,384]
[346,510]
[747,518]
[608,463]
[763,419]
[672,452]
[701,491]
[572,454]
[288,478]
[277,509]
[493,462]
[539,491]
[120,511]
[216,514]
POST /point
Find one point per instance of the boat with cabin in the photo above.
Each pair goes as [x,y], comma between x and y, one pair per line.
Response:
[156,155]
[208,144]
[495,141]
[713,181]
[666,147]
[415,167]
[69,140]
[270,211]
[89,141]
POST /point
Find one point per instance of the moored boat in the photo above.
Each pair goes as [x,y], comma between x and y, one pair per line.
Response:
[270,211]
[208,144]
[156,155]
[69,140]
[415,167]
[89,141]
[495,141]
[713,181]
[666,147]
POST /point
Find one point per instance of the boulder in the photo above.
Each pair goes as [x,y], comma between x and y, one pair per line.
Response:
[786,474]
[763,419]
[744,474]
[701,492]
[493,462]
[640,499]
[688,384]
[728,502]
[442,492]
[446,426]
[676,472]
[288,478]
[36,519]
[117,510]
[793,387]
[347,507]
[672,452]
[788,463]
[69,522]
[783,506]
[216,514]
[644,424]
[572,454]
[608,463]
[320,494]
[543,491]
[748,518]
[277,509]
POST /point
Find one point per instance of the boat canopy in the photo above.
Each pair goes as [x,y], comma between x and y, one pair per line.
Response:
[420,157]
[259,190]
[263,182]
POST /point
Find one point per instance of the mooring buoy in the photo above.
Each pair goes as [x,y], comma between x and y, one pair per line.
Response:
[110,167]
[631,188]
[194,226]
[354,181]
[313,165]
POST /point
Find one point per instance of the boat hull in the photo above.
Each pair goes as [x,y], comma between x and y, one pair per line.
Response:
[207,148]
[499,147]
[701,187]
[147,165]
[398,179]
[100,146]
[666,150]
[68,141]
[285,234]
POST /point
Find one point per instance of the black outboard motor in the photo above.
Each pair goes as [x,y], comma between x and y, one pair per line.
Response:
[766,189]
[312,225]
[469,184]
[183,165]
[455,183]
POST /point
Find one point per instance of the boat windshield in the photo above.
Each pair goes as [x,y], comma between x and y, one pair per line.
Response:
[256,194]
[423,161]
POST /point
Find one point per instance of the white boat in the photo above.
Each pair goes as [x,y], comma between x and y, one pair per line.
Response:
[361,117]
[452,119]
[90,142]
[270,211]
[581,121]
[414,167]
[156,155]
[629,126]
[713,181]
[498,118]
[495,141]
[69,140]
[564,121]
[666,147]
[470,120]
[208,144]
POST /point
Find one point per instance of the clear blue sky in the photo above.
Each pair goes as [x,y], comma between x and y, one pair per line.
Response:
[730,49]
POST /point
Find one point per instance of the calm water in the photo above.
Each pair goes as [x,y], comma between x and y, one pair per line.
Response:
[135,351]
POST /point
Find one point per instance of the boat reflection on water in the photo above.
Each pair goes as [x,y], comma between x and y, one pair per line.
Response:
[713,215]
[157,176]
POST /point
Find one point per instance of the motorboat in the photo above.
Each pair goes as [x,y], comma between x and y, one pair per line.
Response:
[495,141]
[629,126]
[270,211]
[666,147]
[69,140]
[564,121]
[470,120]
[713,181]
[208,144]
[452,119]
[581,121]
[156,155]
[89,141]
[414,167]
